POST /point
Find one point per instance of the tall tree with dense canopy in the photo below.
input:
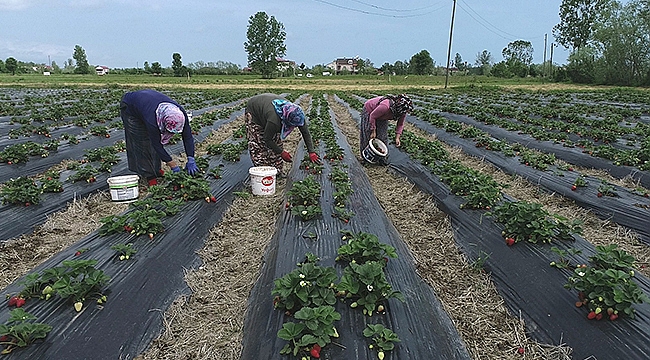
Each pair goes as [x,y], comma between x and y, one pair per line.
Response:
[265,43]
[421,63]
[11,65]
[79,56]
[577,18]
[177,64]
[484,62]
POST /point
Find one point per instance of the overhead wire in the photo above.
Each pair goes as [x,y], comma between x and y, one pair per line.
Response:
[492,28]
[383,9]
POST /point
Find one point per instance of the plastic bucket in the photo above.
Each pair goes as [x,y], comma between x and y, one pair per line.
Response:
[124,188]
[375,151]
[263,179]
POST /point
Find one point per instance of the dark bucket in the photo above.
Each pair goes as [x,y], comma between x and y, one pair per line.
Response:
[375,151]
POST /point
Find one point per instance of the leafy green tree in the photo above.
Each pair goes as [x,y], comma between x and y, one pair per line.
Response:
[11,65]
[581,66]
[421,63]
[177,64]
[55,68]
[518,56]
[624,44]
[156,68]
[79,56]
[577,19]
[483,62]
[401,67]
[502,70]
[147,67]
[459,63]
[265,43]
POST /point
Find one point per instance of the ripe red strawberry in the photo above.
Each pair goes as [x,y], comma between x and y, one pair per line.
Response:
[4,338]
[570,169]
[579,303]
[599,316]
[77,253]
[127,228]
[20,302]
[521,350]
[599,194]
[510,241]
[12,300]
[315,351]
[213,199]
[573,188]
[27,204]
[591,315]
[613,317]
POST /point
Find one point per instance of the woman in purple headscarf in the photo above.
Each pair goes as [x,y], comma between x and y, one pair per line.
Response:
[150,120]
[376,113]
[269,120]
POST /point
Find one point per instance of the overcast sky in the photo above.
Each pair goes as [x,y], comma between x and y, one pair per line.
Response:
[126,33]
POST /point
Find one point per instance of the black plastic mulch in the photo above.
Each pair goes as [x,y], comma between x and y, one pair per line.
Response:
[530,287]
[140,290]
[570,155]
[627,209]
[425,329]
[24,219]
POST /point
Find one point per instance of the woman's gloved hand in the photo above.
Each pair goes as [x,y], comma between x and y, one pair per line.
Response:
[286,156]
[191,166]
[176,169]
[314,157]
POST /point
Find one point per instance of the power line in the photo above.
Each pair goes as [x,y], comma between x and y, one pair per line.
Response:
[375,13]
[396,10]
[510,36]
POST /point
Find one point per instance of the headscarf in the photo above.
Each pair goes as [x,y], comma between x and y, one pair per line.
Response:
[402,104]
[171,120]
[290,114]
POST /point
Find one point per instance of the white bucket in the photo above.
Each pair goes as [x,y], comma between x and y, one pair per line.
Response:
[375,151]
[263,179]
[124,188]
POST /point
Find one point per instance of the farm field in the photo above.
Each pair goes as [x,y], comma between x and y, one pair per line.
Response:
[512,223]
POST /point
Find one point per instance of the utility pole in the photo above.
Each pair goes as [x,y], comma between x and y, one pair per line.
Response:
[451,32]
[544,63]
[551,64]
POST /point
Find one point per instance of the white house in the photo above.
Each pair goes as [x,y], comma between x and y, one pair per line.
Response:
[344,64]
[101,70]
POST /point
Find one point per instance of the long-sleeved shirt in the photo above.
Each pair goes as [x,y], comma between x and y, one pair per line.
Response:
[142,105]
[263,112]
[380,110]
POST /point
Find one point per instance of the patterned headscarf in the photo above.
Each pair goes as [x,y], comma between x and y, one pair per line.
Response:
[171,120]
[402,104]
[290,114]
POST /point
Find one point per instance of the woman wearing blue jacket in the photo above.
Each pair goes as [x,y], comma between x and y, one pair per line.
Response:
[150,119]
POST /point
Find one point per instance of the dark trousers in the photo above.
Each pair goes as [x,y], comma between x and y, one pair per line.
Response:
[142,158]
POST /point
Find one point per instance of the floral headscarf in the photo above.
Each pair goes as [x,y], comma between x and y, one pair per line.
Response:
[171,120]
[402,104]
[290,114]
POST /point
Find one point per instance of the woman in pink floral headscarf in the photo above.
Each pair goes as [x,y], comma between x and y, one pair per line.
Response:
[150,120]
[376,114]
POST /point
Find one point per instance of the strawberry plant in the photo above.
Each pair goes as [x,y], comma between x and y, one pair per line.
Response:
[310,167]
[182,186]
[304,198]
[525,221]
[72,139]
[383,339]
[314,331]
[20,153]
[20,331]
[76,280]
[480,190]
[84,173]
[366,285]
[563,262]
[124,251]
[216,172]
[22,190]
[307,285]
[364,247]
[580,182]
[203,164]
[50,182]
[606,287]
[605,189]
